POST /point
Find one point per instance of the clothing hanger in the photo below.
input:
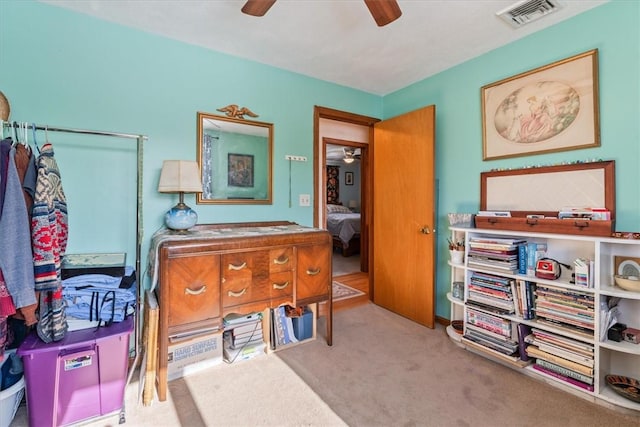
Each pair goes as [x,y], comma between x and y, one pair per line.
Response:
[15,127]
[35,142]
[25,134]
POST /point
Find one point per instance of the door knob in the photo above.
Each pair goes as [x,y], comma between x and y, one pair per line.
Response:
[425,230]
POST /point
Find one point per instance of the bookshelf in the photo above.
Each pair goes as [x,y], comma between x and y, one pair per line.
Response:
[567,318]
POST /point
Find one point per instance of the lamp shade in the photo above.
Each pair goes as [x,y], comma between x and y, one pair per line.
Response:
[180,176]
[353,204]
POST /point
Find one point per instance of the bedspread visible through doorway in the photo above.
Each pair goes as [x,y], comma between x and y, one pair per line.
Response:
[345,227]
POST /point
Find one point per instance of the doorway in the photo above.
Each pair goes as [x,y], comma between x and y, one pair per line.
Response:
[342,197]
[400,249]
[353,131]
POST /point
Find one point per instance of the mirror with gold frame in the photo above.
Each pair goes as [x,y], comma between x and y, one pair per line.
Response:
[235,159]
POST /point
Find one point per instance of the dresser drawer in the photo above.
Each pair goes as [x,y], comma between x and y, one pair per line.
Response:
[281,259]
[245,278]
[281,287]
[313,272]
[194,292]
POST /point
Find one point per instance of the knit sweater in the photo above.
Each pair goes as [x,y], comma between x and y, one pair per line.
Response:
[49,232]
[48,222]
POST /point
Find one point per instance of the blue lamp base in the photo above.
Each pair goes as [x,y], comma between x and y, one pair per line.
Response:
[180,217]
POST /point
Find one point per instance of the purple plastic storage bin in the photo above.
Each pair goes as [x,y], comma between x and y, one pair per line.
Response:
[80,377]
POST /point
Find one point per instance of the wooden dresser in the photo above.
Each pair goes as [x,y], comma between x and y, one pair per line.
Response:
[217,269]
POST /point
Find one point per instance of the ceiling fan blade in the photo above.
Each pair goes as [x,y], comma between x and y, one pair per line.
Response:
[384,11]
[257,7]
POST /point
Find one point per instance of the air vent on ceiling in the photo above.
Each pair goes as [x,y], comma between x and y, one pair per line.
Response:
[526,11]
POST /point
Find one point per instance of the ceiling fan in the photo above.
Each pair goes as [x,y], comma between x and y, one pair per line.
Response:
[350,154]
[383,11]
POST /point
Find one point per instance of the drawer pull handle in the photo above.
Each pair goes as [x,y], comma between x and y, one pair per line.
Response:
[188,291]
[237,294]
[281,260]
[237,267]
[313,272]
[277,286]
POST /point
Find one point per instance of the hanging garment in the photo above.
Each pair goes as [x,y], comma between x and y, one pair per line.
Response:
[5,146]
[49,232]
[26,166]
[16,260]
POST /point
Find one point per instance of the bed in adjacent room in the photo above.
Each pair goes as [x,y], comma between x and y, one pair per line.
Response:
[344,226]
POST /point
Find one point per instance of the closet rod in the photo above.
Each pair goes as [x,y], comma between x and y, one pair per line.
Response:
[139,229]
[71,130]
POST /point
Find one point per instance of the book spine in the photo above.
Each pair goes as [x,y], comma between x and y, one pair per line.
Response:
[564,378]
[533,351]
[565,371]
[531,288]
[523,332]
[531,259]
[522,258]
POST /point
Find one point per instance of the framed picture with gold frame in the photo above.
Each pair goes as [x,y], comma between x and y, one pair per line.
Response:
[547,109]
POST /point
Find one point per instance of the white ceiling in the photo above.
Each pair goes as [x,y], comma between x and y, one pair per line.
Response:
[334,40]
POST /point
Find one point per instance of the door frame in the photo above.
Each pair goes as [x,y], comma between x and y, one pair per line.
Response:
[319,170]
[364,168]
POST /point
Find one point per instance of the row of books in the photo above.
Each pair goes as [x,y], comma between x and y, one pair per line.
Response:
[491,292]
[282,332]
[491,332]
[494,253]
[563,358]
[568,309]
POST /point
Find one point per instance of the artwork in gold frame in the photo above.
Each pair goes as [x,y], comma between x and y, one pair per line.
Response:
[547,109]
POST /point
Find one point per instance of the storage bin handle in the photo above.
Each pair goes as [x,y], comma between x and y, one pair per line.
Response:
[72,354]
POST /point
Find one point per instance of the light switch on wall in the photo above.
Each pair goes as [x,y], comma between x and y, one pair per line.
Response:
[305,200]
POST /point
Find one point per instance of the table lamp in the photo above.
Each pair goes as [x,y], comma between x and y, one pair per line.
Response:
[353,204]
[180,176]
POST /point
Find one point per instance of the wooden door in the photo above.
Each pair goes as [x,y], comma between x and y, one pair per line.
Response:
[403,258]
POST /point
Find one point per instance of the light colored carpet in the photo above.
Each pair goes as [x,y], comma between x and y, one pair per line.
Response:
[384,370]
[341,291]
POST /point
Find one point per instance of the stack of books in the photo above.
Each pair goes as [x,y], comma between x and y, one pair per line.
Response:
[491,292]
[563,358]
[494,253]
[242,337]
[570,310]
[282,332]
[491,332]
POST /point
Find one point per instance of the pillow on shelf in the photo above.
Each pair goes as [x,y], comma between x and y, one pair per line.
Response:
[337,209]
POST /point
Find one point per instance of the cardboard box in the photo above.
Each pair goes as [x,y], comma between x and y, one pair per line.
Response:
[194,354]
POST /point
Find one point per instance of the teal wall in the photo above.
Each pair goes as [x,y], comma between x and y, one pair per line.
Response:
[66,69]
[613,29]
[61,68]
